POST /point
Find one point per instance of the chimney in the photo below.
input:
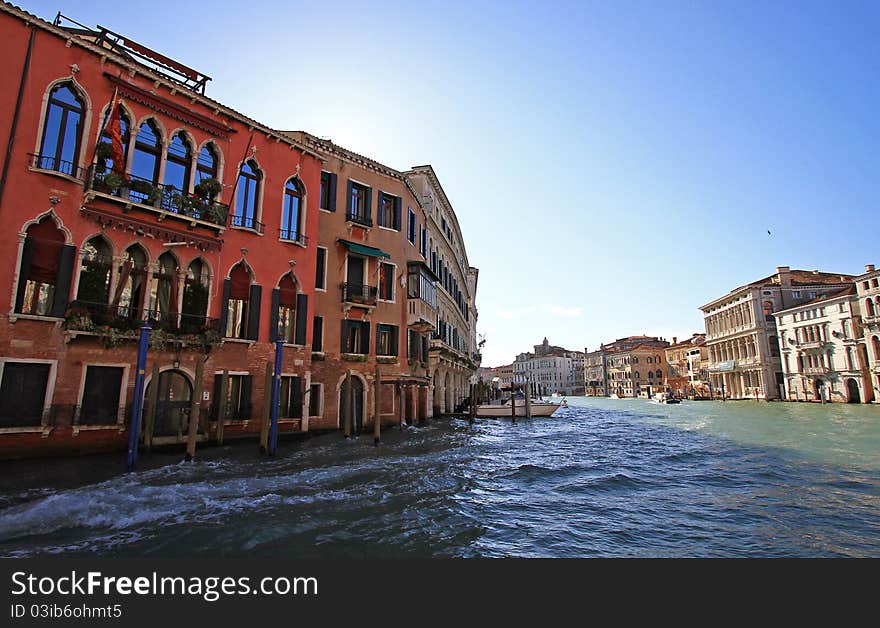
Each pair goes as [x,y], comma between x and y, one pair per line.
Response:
[869,268]
[784,273]
[674,340]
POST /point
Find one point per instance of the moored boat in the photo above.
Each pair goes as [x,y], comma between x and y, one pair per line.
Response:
[538,408]
[666,398]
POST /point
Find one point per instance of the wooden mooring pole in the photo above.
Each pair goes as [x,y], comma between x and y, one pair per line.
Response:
[377,409]
[267,409]
[195,411]
[528,400]
[513,403]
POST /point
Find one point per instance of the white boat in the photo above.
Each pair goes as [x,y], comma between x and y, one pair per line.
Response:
[539,408]
[614,396]
[666,398]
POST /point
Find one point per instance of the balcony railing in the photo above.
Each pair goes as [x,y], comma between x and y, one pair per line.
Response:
[156,195]
[815,370]
[290,235]
[359,293]
[87,316]
[359,218]
[246,222]
[45,162]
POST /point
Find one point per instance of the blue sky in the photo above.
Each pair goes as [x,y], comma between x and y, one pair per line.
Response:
[613,165]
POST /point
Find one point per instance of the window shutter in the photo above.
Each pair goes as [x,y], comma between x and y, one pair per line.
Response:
[27,254]
[273,315]
[246,385]
[349,210]
[317,334]
[331,197]
[215,403]
[343,338]
[296,398]
[395,333]
[365,339]
[368,204]
[253,326]
[302,311]
[62,283]
[224,307]
[397,213]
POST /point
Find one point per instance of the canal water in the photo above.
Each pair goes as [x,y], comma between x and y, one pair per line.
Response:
[601,478]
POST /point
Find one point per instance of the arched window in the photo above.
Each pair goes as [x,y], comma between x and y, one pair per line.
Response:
[131,291]
[195,297]
[62,131]
[650,374]
[851,359]
[178,164]
[40,270]
[165,299]
[846,329]
[237,302]
[249,178]
[659,374]
[206,165]
[290,213]
[147,153]
[869,307]
[287,308]
[94,273]
[876,343]
[768,310]
[107,164]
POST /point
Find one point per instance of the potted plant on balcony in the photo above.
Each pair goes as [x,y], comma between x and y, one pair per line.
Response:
[103,152]
[208,189]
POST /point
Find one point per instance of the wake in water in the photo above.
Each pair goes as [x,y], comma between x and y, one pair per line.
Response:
[600,479]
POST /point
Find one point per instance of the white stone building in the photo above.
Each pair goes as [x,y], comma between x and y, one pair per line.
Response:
[822,350]
[551,370]
[741,336]
[868,295]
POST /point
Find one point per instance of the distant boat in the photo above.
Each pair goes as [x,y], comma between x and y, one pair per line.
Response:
[666,398]
[614,396]
[539,408]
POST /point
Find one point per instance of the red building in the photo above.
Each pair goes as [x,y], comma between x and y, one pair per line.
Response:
[207,233]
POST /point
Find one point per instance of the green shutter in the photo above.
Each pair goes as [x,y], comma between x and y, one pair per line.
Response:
[302,311]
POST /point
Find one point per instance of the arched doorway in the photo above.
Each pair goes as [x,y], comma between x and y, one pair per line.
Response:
[852,391]
[357,414]
[448,409]
[173,404]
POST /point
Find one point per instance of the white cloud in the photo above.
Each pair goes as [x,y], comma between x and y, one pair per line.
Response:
[558,311]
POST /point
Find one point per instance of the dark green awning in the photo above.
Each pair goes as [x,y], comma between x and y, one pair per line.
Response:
[363,249]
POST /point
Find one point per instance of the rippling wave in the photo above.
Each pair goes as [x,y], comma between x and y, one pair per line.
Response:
[601,478]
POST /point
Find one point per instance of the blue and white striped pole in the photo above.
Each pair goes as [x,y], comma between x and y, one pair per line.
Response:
[138,408]
[276,397]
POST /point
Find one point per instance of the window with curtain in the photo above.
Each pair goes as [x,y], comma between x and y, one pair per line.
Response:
[43,247]
[166,290]
[131,290]
[287,309]
[237,304]
[62,131]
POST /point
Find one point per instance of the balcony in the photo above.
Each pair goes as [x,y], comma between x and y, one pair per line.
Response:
[167,201]
[358,218]
[290,235]
[420,315]
[871,321]
[813,345]
[246,222]
[359,294]
[815,370]
[52,164]
[116,323]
